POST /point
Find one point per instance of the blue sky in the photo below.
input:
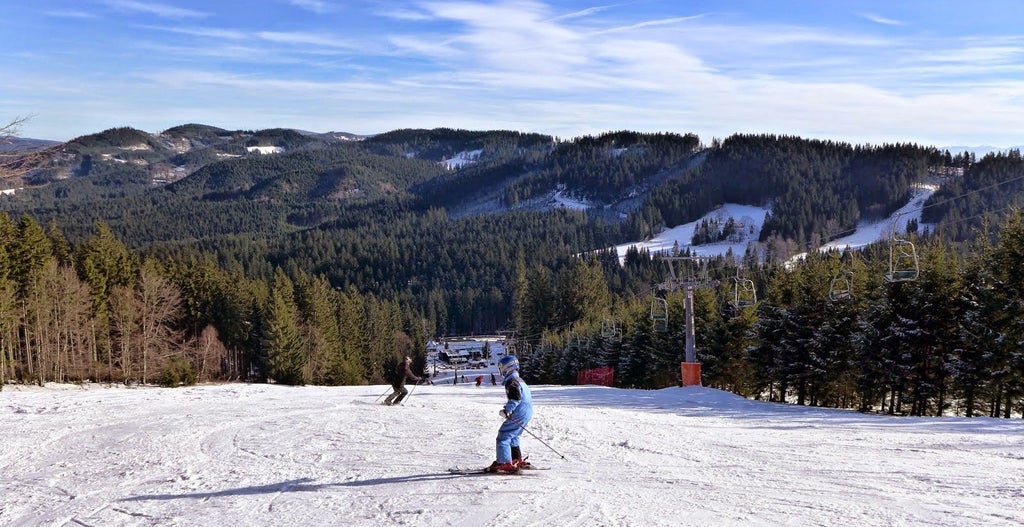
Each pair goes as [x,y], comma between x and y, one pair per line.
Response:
[932,72]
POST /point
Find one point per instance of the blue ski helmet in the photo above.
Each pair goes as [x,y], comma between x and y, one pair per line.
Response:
[507,365]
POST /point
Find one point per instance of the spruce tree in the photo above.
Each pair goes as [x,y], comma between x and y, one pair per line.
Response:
[282,340]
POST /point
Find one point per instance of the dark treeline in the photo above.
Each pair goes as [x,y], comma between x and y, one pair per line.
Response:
[95,311]
[976,193]
[827,331]
[316,265]
[817,190]
[605,167]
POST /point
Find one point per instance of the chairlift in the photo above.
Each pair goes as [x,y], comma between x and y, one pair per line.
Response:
[698,275]
[610,330]
[659,314]
[745,293]
[903,263]
[841,287]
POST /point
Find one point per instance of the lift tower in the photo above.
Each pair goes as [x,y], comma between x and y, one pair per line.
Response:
[696,275]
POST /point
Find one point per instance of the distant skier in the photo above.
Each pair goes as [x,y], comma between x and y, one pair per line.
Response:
[479,380]
[403,372]
[518,411]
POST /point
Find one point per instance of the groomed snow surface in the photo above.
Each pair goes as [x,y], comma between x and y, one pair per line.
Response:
[238,454]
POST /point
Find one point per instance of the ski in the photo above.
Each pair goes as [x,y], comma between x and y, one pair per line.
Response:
[481,472]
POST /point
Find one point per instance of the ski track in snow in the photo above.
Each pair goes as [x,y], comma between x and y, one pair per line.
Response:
[272,455]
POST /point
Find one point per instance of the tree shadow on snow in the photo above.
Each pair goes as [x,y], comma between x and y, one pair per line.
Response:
[696,401]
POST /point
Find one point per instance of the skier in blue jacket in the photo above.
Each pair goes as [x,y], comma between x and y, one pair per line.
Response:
[518,411]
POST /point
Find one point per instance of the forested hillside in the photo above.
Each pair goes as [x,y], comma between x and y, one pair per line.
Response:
[192,255]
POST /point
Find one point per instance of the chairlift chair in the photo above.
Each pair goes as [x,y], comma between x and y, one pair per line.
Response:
[841,287]
[745,293]
[610,330]
[903,262]
[699,276]
[659,314]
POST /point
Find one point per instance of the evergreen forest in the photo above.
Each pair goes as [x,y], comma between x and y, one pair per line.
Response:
[189,256]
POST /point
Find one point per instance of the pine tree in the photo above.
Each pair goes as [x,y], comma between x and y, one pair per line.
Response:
[972,366]
[282,340]
[104,263]
[8,330]
[319,327]
[583,295]
[29,257]
[352,323]
[1006,308]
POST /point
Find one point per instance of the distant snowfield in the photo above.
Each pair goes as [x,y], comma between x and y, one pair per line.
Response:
[752,219]
[461,159]
[868,233]
[225,455]
[265,149]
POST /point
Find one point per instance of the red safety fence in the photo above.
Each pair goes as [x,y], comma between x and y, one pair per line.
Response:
[600,376]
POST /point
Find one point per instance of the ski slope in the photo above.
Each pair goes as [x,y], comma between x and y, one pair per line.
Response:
[752,219]
[241,454]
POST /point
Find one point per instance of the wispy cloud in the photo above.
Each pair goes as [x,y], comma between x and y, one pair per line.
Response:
[298,38]
[154,8]
[404,14]
[584,12]
[651,23]
[536,65]
[878,19]
[316,6]
[775,35]
[71,13]
[206,32]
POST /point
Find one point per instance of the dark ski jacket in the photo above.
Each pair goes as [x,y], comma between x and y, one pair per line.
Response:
[404,373]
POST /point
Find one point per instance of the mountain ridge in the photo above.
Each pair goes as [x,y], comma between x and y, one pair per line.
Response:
[647,181]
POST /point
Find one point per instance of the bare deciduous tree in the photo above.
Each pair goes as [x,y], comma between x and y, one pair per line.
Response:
[124,320]
[11,129]
[159,304]
[210,357]
[16,165]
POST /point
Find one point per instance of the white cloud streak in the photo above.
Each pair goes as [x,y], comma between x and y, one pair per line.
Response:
[315,6]
[303,39]
[154,8]
[878,19]
[523,65]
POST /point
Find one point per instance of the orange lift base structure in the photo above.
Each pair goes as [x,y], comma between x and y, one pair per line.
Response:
[691,373]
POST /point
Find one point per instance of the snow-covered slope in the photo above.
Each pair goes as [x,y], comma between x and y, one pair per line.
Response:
[752,219]
[462,159]
[246,455]
[867,233]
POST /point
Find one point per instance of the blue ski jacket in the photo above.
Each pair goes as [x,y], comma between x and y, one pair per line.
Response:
[520,403]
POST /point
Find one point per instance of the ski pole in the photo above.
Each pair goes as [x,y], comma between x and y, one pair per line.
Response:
[382,395]
[527,430]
